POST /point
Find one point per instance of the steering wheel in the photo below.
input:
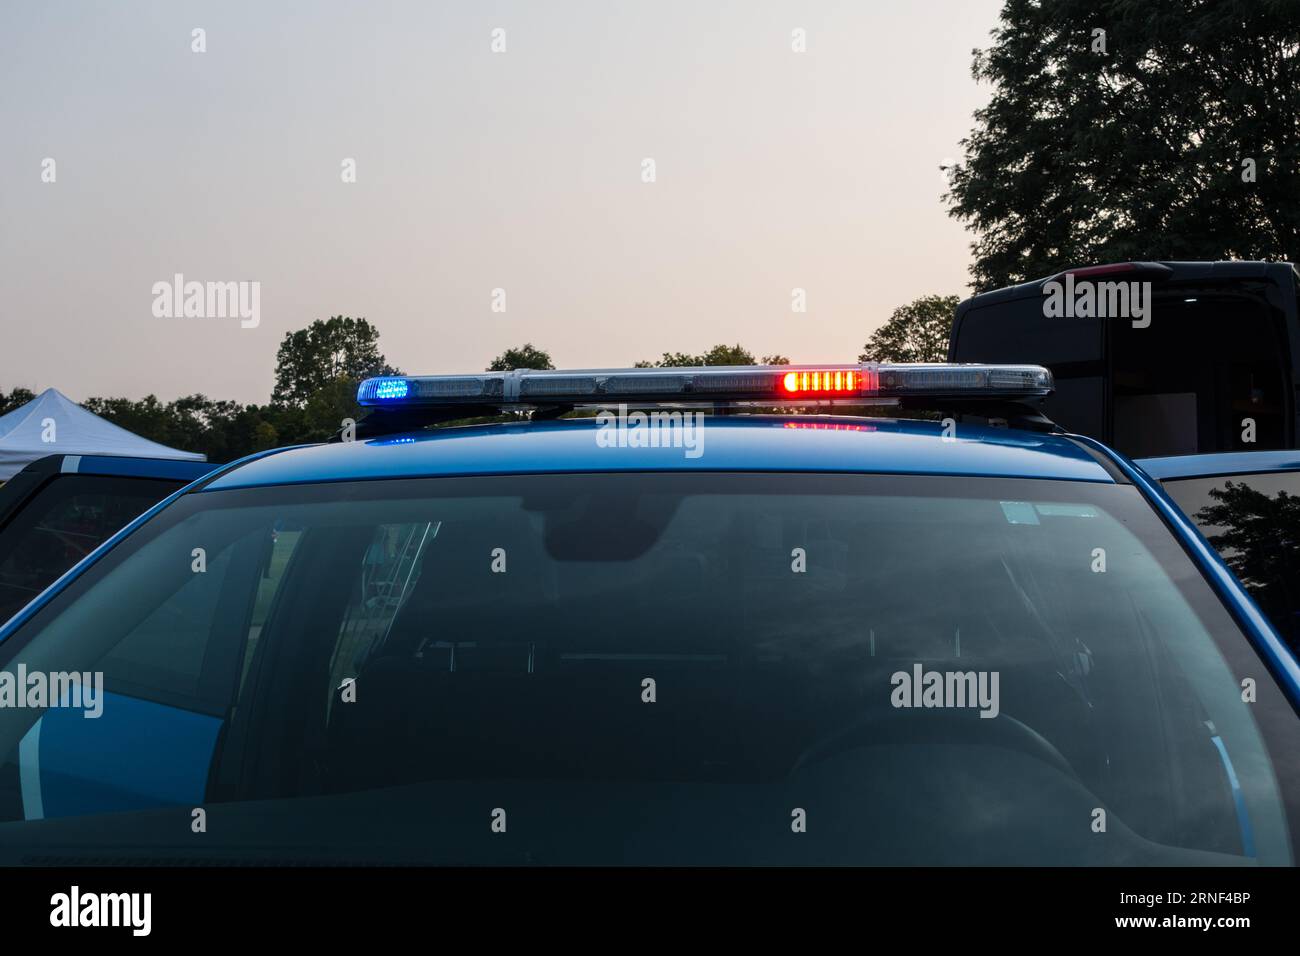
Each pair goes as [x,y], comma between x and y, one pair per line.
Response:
[944,726]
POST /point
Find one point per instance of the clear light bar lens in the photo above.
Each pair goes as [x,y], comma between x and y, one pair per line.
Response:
[756,384]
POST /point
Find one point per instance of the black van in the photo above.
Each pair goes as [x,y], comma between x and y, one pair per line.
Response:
[1203,358]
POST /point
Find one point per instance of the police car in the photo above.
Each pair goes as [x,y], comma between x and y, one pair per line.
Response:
[660,637]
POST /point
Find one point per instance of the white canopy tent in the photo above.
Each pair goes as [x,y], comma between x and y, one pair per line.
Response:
[53,424]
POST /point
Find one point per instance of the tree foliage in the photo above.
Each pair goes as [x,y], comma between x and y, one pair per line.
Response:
[1260,541]
[1130,145]
[222,430]
[313,359]
[16,398]
[916,332]
[718,355]
[525,356]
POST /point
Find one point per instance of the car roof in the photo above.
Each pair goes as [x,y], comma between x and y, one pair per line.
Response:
[726,443]
[116,466]
[1221,463]
[125,466]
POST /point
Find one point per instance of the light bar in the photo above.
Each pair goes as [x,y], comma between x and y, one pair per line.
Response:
[858,384]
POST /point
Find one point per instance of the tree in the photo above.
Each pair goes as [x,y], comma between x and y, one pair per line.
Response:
[526,356]
[16,399]
[312,359]
[325,410]
[149,418]
[727,355]
[1132,144]
[916,332]
[222,430]
[718,355]
[1259,539]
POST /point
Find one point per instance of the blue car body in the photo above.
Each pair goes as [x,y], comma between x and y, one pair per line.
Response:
[767,444]
[126,467]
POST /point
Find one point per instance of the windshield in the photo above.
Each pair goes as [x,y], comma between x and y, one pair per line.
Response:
[647,669]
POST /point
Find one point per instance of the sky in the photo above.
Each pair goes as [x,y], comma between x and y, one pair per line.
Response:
[475,170]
